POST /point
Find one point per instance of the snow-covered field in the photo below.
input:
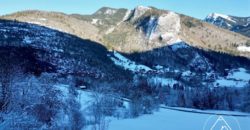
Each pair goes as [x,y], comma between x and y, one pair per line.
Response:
[170,118]
[236,78]
[217,15]
[166,119]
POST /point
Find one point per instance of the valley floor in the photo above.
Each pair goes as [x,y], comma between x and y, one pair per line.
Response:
[176,118]
[166,119]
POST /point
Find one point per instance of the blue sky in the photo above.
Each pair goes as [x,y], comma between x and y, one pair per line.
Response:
[195,8]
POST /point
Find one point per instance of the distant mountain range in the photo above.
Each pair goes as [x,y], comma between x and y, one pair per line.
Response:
[145,41]
[237,24]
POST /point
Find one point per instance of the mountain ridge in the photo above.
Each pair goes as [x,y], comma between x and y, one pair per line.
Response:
[141,29]
[240,25]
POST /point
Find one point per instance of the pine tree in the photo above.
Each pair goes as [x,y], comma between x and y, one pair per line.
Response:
[181,99]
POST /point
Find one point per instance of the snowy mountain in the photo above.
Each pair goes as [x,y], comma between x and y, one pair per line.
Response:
[237,24]
[140,29]
[61,50]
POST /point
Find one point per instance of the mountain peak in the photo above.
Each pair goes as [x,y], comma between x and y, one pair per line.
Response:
[139,11]
[106,11]
[140,7]
[216,15]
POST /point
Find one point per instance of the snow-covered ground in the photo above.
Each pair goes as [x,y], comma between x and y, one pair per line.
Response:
[94,21]
[163,81]
[110,11]
[236,78]
[126,15]
[27,40]
[166,119]
[240,74]
[217,15]
[229,83]
[83,97]
[243,48]
[178,45]
[127,64]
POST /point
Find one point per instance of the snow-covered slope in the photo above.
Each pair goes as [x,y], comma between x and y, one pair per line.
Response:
[64,51]
[233,23]
[215,16]
[244,48]
[236,78]
[127,64]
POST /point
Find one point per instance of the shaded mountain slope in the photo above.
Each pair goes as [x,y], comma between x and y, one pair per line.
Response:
[67,53]
[187,65]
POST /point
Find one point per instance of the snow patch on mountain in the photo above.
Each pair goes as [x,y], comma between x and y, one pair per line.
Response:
[42,19]
[36,22]
[110,11]
[236,78]
[107,11]
[239,74]
[127,64]
[243,48]
[163,81]
[126,16]
[94,21]
[217,15]
[178,45]
[27,40]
